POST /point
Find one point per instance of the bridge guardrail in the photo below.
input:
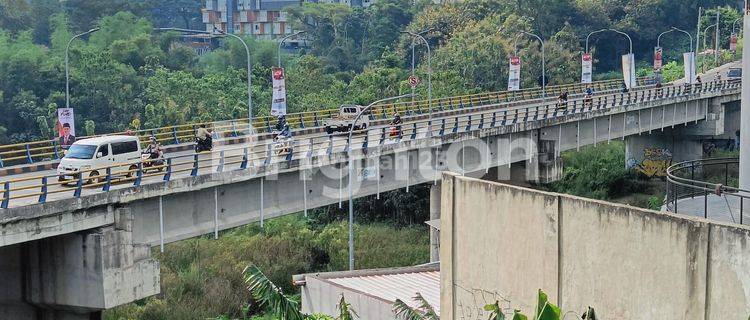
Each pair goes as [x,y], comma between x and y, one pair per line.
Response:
[321,144]
[702,179]
[31,152]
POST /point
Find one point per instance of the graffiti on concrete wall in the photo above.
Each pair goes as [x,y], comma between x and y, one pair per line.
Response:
[470,303]
[654,164]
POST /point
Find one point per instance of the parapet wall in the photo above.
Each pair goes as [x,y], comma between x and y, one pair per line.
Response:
[500,242]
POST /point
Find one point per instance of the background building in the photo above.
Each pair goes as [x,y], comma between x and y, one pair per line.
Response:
[262,19]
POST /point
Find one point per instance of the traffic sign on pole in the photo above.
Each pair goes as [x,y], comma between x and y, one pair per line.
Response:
[414,81]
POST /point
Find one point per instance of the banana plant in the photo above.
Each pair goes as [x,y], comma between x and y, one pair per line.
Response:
[496,313]
[425,311]
[545,310]
[589,315]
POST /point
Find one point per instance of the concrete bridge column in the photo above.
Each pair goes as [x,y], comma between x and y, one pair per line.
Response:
[435,194]
[76,276]
[651,154]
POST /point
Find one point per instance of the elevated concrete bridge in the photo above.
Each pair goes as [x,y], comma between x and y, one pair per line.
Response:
[71,251]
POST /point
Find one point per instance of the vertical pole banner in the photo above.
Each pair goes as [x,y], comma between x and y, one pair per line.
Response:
[689,61]
[628,70]
[514,74]
[658,59]
[733,43]
[66,127]
[586,68]
[278,104]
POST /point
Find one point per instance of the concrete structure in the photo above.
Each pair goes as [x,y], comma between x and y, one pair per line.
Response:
[745,122]
[77,275]
[503,243]
[370,292]
[494,139]
[651,154]
[263,19]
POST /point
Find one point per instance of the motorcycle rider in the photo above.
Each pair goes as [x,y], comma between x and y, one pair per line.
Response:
[203,137]
[588,99]
[153,149]
[562,100]
[283,128]
[396,123]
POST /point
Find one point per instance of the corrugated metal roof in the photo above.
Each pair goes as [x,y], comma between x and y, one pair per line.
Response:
[390,287]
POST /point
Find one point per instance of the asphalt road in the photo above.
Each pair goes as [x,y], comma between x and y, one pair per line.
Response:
[209,162]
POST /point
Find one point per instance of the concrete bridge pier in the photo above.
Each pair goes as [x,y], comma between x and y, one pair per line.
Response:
[651,154]
[76,276]
[435,201]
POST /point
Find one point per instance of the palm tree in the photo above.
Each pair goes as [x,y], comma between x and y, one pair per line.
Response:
[425,311]
[269,296]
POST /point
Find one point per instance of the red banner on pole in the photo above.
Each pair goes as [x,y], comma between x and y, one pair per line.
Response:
[658,63]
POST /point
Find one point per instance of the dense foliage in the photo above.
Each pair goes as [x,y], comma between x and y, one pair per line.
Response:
[127,76]
[202,277]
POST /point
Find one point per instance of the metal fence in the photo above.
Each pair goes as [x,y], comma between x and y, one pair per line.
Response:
[45,150]
[707,188]
[449,120]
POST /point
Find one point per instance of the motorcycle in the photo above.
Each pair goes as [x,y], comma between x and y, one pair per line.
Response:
[282,144]
[203,145]
[152,160]
[395,132]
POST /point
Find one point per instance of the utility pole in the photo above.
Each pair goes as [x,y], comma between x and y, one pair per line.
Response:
[717,47]
[745,104]
[698,32]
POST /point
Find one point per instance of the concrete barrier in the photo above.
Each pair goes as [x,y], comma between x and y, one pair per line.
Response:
[503,243]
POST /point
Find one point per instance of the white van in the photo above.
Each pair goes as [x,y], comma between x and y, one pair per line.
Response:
[96,154]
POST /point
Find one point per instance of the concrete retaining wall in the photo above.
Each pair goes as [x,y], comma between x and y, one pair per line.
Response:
[500,242]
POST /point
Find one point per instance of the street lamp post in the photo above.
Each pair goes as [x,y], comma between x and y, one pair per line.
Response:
[718,39]
[734,25]
[284,39]
[249,69]
[673,29]
[249,78]
[735,34]
[351,173]
[429,74]
[67,71]
[630,41]
[544,61]
[705,35]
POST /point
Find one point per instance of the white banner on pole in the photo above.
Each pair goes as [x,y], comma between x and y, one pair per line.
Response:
[66,127]
[514,74]
[689,61]
[628,70]
[587,65]
[278,104]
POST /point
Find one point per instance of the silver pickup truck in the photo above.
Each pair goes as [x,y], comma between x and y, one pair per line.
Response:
[343,121]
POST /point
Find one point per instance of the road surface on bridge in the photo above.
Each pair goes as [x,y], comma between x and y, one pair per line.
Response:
[27,187]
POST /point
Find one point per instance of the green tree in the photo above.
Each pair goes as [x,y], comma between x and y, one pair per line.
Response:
[90,127]
[85,14]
